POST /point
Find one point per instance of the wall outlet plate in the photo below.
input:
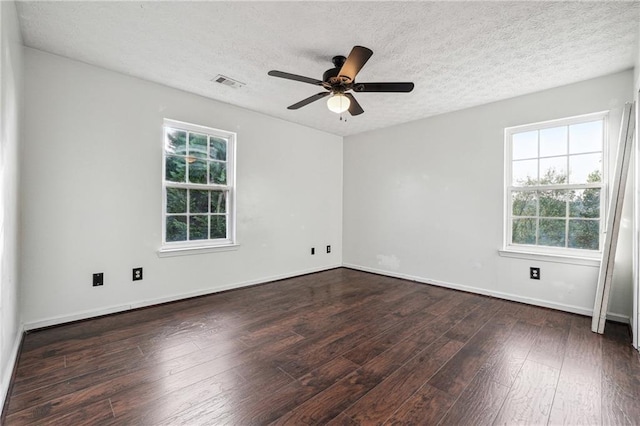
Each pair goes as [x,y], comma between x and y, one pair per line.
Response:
[98,279]
[136,274]
[534,273]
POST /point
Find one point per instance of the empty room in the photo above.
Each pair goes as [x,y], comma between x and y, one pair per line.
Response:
[301,212]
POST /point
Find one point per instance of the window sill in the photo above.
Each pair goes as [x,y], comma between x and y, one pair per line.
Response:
[187,251]
[556,258]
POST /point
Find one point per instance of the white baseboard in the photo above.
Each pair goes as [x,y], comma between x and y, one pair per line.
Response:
[500,295]
[33,325]
[8,370]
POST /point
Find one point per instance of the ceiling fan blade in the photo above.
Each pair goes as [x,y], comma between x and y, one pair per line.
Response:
[309,100]
[295,77]
[357,58]
[354,106]
[383,87]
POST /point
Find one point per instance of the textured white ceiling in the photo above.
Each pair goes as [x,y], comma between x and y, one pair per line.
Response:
[459,54]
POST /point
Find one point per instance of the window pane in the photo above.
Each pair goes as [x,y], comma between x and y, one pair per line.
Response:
[553,170]
[552,232]
[176,228]
[585,137]
[218,202]
[584,234]
[218,226]
[175,169]
[585,168]
[217,149]
[523,231]
[198,227]
[525,173]
[176,200]
[525,145]
[218,172]
[553,141]
[176,142]
[585,203]
[198,171]
[198,201]
[197,145]
[553,203]
[524,203]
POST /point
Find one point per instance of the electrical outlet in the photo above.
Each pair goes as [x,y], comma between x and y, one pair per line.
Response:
[98,279]
[137,274]
[328,249]
[313,250]
[534,273]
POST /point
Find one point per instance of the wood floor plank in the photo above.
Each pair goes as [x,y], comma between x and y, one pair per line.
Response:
[345,392]
[549,347]
[416,302]
[264,410]
[342,420]
[312,352]
[373,347]
[28,383]
[331,402]
[479,404]
[531,396]
[44,366]
[382,401]
[620,377]
[451,301]
[224,392]
[156,398]
[504,364]
[578,396]
[261,408]
[114,377]
[460,370]
[95,413]
[474,320]
[339,347]
[425,407]
[174,373]
[578,393]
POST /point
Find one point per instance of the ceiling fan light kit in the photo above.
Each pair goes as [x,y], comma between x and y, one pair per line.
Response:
[340,79]
[338,103]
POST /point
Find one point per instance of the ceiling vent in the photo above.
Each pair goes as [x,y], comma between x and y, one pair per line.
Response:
[227,81]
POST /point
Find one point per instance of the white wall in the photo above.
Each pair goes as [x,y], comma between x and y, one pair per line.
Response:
[424,200]
[11,70]
[91,180]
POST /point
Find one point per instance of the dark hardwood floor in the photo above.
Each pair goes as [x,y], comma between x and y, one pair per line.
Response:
[340,347]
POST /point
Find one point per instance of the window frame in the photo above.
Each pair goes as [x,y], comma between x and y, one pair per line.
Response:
[508,187]
[181,247]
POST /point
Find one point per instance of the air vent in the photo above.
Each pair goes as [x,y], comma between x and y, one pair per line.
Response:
[228,81]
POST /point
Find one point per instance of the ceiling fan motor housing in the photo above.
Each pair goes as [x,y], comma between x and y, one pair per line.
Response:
[331,76]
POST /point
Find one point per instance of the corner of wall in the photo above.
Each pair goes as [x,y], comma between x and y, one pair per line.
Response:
[11,102]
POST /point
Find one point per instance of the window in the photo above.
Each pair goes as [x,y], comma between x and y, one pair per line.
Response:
[554,185]
[198,186]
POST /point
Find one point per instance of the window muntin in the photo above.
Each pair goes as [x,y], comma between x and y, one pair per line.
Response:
[198,186]
[554,185]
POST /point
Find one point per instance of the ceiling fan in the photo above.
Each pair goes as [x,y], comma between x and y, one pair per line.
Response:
[340,80]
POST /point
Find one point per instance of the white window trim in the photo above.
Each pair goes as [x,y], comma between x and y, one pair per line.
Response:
[184,251]
[554,258]
[201,246]
[544,253]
